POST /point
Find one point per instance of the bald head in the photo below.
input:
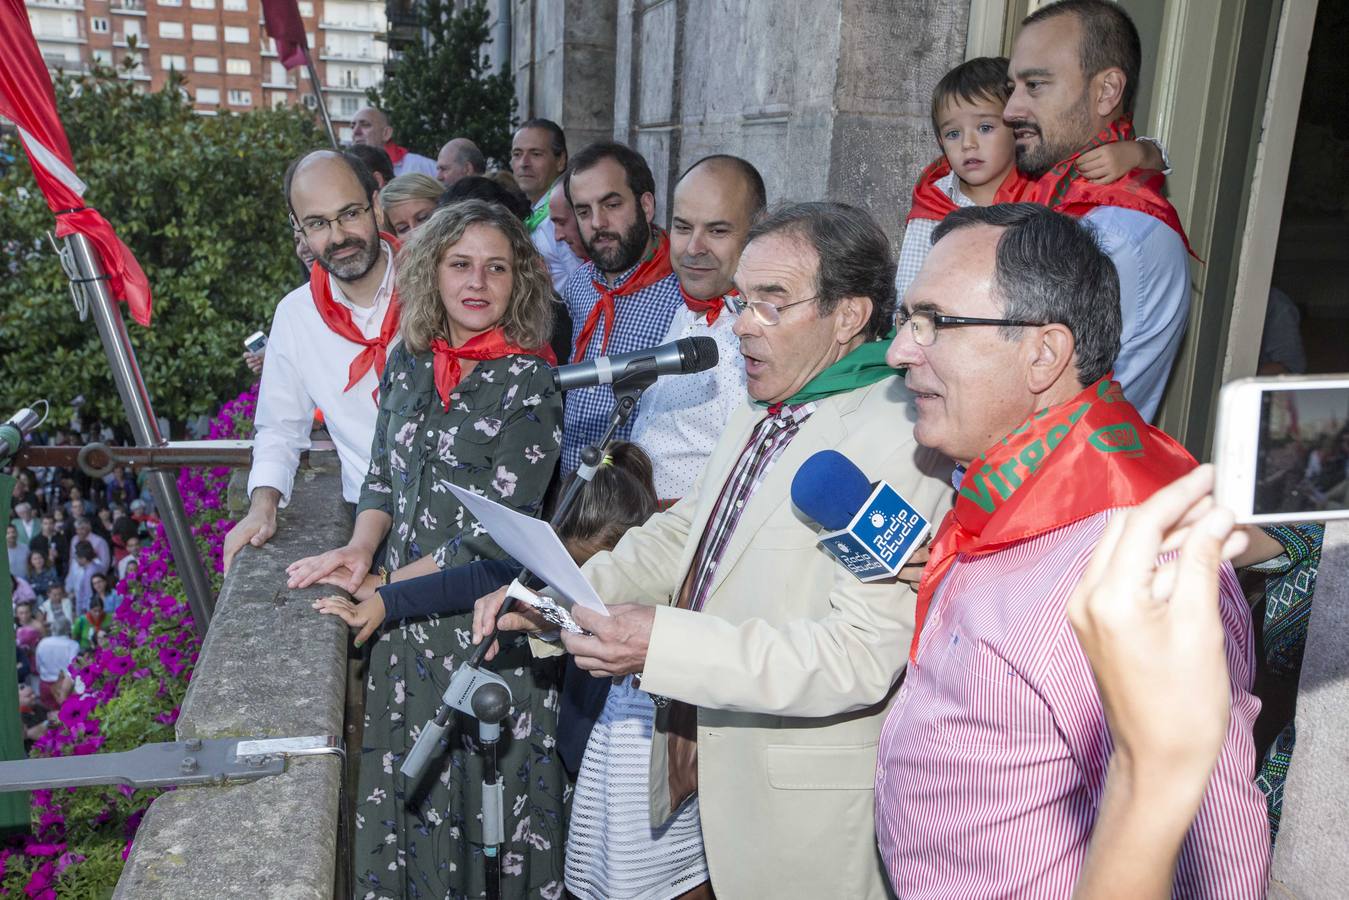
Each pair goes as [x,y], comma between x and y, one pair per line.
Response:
[371,127]
[305,178]
[564,223]
[458,159]
[737,170]
[715,203]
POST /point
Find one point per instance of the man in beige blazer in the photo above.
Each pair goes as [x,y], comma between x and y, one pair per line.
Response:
[789,659]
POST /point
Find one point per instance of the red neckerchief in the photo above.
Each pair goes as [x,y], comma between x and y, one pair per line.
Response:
[652,269]
[338,319]
[712,307]
[396,153]
[931,202]
[1063,188]
[1060,466]
[488,345]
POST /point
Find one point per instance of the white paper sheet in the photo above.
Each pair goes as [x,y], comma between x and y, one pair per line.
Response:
[533,543]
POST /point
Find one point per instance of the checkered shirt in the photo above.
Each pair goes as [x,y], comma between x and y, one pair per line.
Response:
[640,321]
[918,239]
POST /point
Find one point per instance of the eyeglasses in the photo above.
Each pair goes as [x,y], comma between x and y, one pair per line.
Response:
[765,312]
[316,225]
[924,324]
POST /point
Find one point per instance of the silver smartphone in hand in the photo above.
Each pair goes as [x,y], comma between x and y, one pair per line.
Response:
[1282,448]
[255,342]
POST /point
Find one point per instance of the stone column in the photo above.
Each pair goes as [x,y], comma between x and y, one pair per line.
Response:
[1312,854]
[562,54]
[893,54]
[828,99]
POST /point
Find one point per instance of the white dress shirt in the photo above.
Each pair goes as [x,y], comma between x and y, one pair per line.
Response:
[18,560]
[80,584]
[307,369]
[681,417]
[414,162]
[555,252]
[54,656]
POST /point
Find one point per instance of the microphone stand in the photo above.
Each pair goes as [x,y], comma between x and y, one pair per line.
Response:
[483,694]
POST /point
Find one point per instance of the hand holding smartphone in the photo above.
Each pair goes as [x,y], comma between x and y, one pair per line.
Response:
[1282,449]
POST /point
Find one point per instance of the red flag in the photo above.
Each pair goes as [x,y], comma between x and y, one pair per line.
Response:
[283,23]
[27,100]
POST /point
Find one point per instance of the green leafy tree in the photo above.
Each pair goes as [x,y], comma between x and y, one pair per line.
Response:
[198,199]
[443,87]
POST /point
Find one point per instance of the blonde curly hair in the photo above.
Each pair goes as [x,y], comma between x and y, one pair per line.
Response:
[528,320]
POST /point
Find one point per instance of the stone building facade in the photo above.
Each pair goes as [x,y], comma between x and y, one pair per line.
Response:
[827,99]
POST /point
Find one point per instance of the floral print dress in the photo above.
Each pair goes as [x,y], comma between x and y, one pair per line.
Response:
[501,438]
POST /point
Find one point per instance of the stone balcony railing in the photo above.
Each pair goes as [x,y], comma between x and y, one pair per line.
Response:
[270,667]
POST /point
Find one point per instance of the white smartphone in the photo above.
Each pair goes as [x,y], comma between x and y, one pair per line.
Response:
[1282,448]
[255,342]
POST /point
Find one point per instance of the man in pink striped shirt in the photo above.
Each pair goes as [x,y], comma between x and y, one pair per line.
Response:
[993,757]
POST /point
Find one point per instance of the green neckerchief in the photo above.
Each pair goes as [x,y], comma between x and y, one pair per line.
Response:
[863,366]
[536,217]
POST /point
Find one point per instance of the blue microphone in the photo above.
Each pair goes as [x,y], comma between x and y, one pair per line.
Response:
[869,528]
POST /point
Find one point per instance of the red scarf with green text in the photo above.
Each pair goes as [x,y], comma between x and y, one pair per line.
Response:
[1062,465]
[488,345]
[338,319]
[652,269]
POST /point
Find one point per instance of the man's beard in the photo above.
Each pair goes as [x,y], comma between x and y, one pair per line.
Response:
[355,267]
[1073,130]
[629,248]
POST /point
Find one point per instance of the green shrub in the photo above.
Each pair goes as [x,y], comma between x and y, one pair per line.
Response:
[443,88]
[198,199]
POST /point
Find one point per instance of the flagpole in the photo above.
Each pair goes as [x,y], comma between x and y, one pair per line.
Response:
[318,95]
[126,374]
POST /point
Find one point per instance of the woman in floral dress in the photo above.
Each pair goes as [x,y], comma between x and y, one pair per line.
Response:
[466,399]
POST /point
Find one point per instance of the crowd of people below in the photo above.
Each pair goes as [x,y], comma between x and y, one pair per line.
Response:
[72,540]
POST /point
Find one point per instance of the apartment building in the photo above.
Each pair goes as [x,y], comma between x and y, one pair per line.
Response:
[221,48]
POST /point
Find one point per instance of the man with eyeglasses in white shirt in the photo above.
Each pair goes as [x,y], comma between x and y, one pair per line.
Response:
[328,340]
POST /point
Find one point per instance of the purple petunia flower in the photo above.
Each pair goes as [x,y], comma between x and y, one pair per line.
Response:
[41,886]
[149,617]
[75,711]
[171,658]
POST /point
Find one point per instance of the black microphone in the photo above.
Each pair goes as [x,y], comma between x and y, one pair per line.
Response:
[682,357]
